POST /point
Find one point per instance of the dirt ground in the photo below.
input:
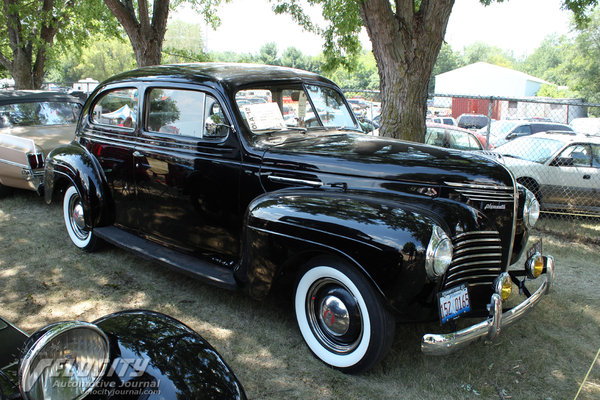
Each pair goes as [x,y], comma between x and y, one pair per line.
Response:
[44,278]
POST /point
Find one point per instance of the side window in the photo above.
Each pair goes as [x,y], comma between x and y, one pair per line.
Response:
[175,111]
[185,112]
[579,154]
[117,107]
[596,155]
[522,130]
[216,125]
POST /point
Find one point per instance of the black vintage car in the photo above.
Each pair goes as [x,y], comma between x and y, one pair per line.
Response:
[127,355]
[257,177]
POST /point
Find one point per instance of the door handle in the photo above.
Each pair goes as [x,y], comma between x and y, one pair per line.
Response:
[587,177]
[137,154]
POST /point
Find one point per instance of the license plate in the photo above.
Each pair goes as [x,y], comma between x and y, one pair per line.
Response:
[536,248]
[453,302]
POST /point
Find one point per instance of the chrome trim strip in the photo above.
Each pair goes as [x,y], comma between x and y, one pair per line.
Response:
[467,278]
[460,235]
[442,344]
[283,179]
[478,186]
[482,240]
[469,264]
[470,256]
[477,248]
[15,164]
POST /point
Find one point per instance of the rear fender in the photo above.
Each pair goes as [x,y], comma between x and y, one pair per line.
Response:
[74,164]
[385,240]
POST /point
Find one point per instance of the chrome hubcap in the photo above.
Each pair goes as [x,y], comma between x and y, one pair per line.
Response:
[334,316]
[76,218]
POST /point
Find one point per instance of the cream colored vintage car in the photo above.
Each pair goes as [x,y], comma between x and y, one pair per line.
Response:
[32,123]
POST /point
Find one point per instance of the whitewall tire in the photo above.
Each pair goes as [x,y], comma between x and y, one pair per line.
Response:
[341,316]
[73,212]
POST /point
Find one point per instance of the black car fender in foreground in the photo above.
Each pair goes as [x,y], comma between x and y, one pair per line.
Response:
[148,356]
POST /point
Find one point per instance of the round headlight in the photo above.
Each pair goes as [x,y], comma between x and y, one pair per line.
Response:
[439,253]
[531,211]
[65,362]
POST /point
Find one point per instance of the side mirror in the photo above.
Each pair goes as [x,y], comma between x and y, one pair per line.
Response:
[212,129]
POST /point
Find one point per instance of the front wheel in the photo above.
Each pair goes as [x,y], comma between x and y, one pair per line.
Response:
[341,316]
[74,216]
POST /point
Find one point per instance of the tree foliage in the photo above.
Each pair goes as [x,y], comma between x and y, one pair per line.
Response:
[33,32]
[145,23]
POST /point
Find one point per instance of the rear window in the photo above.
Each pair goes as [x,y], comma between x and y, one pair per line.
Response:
[39,113]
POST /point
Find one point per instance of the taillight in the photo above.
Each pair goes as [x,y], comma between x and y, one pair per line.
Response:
[36,160]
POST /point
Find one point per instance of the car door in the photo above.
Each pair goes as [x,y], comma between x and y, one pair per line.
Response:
[187,168]
[574,181]
[109,133]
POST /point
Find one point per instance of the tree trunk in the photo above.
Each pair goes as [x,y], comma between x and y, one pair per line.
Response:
[405,45]
[146,36]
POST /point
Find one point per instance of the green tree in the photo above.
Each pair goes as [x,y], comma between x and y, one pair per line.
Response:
[292,57]
[584,66]
[146,24]
[406,37]
[480,51]
[447,60]
[268,54]
[549,61]
[32,32]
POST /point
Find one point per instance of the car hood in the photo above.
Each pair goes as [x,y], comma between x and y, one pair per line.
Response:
[382,158]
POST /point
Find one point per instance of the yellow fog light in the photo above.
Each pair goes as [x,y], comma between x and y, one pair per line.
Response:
[535,266]
[503,286]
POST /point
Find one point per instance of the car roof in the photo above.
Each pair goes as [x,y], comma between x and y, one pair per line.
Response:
[233,75]
[28,96]
[445,126]
[566,137]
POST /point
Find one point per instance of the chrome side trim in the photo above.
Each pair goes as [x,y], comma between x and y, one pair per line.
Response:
[294,181]
[478,186]
[441,344]
[14,164]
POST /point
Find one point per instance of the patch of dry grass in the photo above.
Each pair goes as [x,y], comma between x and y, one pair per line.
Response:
[44,278]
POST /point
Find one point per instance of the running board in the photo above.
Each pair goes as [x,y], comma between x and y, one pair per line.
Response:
[203,270]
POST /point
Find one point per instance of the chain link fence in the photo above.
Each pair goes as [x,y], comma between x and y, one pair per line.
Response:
[551,146]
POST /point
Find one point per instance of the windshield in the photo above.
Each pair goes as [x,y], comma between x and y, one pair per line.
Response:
[274,108]
[536,149]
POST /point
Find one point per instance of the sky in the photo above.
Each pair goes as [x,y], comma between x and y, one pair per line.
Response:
[517,25]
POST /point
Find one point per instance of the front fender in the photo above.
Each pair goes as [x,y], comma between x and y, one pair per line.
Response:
[385,239]
[74,164]
[161,358]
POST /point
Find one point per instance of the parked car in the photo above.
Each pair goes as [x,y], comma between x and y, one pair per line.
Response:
[31,124]
[505,130]
[472,121]
[588,126]
[126,355]
[561,169]
[361,231]
[451,137]
[443,120]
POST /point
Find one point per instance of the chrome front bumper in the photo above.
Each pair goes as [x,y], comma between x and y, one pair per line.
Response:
[440,344]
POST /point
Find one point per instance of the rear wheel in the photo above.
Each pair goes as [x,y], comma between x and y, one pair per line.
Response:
[341,316]
[74,215]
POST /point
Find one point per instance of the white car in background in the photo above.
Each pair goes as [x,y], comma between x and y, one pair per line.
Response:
[561,169]
[589,126]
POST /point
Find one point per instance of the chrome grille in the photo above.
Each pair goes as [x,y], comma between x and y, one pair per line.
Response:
[477,259]
[488,193]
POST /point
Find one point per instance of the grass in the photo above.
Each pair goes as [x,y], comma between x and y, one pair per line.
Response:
[44,278]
